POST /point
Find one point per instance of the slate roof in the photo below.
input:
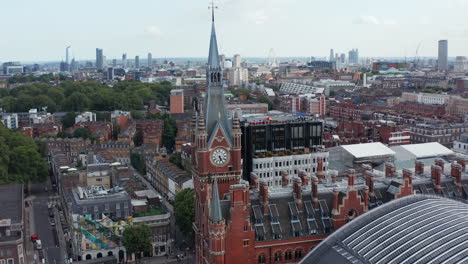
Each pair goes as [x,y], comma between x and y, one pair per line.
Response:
[414,229]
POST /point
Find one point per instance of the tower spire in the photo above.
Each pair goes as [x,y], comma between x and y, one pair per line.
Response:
[215,212]
[213,7]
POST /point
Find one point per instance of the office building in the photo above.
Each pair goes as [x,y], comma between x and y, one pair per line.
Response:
[442,63]
[114,62]
[332,56]
[9,120]
[99,59]
[150,60]
[237,75]
[461,64]
[137,62]
[177,101]
[124,60]
[353,56]
[67,55]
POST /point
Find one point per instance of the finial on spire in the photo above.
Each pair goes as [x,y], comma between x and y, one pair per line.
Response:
[212,7]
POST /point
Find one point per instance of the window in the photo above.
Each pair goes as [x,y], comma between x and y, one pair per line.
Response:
[246,243]
[288,255]
[2,261]
[10,261]
[298,254]
[261,258]
[99,179]
[117,206]
[106,207]
[278,256]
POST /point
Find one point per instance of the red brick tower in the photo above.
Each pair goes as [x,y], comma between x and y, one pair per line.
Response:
[216,163]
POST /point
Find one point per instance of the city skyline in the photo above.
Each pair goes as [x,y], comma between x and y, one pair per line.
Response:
[293,28]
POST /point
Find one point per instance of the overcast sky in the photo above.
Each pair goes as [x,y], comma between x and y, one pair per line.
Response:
[39,30]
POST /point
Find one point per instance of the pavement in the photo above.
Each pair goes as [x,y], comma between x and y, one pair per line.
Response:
[40,223]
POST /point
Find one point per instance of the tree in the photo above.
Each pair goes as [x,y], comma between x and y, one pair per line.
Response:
[266,100]
[137,239]
[68,120]
[20,160]
[81,133]
[184,211]
[138,163]
[136,115]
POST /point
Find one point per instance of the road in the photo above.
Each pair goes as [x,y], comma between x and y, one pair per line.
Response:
[42,227]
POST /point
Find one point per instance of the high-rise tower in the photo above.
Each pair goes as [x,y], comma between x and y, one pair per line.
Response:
[150,60]
[442,63]
[99,59]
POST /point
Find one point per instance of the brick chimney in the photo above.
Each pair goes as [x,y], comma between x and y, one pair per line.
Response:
[297,192]
[389,169]
[255,181]
[408,175]
[456,172]
[315,191]
[366,198]
[419,167]
[351,176]
[284,179]
[370,182]
[463,162]
[264,196]
[304,177]
[336,202]
[333,176]
[440,163]
[436,174]
[320,173]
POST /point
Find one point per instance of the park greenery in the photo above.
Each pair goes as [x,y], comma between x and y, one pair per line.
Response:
[20,160]
[68,96]
[184,211]
[137,240]
[138,162]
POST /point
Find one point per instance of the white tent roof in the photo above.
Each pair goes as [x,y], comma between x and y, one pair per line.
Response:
[427,150]
[368,150]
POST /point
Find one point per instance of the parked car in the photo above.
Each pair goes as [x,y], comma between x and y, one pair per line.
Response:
[38,244]
[34,237]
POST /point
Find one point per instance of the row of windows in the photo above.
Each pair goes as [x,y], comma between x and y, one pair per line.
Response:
[286,163]
[7,261]
[277,173]
[106,207]
[288,255]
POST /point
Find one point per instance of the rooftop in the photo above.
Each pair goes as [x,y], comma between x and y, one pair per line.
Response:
[425,150]
[368,150]
[12,201]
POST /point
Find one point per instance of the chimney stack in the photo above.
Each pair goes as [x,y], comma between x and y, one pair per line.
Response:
[284,179]
[440,163]
[320,173]
[297,192]
[255,181]
[333,176]
[351,176]
[419,167]
[366,198]
[456,172]
[336,202]
[408,175]
[315,191]
[370,182]
[389,170]
[367,167]
[264,196]
[436,174]
[462,162]
[304,177]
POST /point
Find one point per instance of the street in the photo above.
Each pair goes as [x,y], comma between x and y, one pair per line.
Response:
[42,224]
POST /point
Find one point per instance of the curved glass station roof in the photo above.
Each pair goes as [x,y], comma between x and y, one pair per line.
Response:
[414,229]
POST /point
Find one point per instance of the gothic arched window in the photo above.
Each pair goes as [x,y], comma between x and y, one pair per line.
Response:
[261,259]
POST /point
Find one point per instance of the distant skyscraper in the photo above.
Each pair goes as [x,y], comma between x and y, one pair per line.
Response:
[343,58]
[99,59]
[67,55]
[236,61]
[114,62]
[353,56]
[124,60]
[137,62]
[150,60]
[332,55]
[442,64]
[461,64]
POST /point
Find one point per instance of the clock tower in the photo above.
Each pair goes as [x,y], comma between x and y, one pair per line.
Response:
[216,160]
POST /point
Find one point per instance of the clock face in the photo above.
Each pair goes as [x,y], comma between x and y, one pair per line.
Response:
[219,156]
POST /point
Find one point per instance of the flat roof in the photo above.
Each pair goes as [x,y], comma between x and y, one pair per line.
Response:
[368,150]
[426,150]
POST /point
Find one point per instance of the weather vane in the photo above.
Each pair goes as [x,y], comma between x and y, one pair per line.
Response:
[212,7]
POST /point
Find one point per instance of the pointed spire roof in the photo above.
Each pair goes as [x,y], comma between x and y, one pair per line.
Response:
[215,213]
[213,56]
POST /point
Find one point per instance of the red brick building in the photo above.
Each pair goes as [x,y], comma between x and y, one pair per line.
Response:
[177,101]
